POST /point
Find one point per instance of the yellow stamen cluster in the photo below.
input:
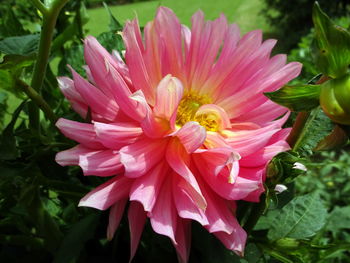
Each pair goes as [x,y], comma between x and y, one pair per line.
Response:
[210,121]
[188,107]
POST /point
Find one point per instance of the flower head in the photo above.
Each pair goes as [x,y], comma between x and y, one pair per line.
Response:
[182,127]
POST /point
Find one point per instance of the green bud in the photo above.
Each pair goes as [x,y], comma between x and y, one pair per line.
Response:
[335,99]
[287,243]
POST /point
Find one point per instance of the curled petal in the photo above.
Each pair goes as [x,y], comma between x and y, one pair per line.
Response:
[169,94]
[191,135]
[107,194]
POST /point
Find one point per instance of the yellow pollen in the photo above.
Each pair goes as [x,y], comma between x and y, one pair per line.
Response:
[188,107]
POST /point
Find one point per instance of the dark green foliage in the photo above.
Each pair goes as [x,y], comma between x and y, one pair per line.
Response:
[292,19]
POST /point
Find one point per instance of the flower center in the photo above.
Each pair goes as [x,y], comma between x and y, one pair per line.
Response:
[188,111]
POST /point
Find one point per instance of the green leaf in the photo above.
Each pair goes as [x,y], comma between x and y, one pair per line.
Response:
[20,45]
[10,25]
[14,62]
[8,142]
[296,98]
[299,219]
[331,46]
[317,127]
[114,24]
[339,219]
[74,241]
[111,41]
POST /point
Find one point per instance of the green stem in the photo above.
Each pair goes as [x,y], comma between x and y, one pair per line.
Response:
[297,129]
[256,211]
[49,21]
[41,7]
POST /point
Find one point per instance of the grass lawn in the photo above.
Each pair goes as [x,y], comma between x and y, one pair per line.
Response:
[243,12]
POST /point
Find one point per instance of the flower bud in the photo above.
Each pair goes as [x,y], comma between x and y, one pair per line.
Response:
[335,99]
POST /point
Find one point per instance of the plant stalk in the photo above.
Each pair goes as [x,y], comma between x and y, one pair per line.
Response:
[48,25]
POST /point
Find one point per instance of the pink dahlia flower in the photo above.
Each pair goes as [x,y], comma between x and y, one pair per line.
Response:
[182,127]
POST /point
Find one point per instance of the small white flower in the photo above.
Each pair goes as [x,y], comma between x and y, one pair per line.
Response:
[299,166]
[279,188]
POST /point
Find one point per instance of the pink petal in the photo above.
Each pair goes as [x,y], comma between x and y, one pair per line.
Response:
[225,66]
[97,101]
[145,189]
[137,219]
[204,50]
[141,156]
[80,132]
[163,216]
[117,135]
[262,114]
[245,182]
[101,163]
[168,30]
[183,238]
[219,215]
[242,101]
[66,85]
[135,61]
[216,159]
[249,141]
[191,136]
[178,159]
[108,193]
[105,72]
[264,155]
[97,58]
[115,215]
[71,156]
